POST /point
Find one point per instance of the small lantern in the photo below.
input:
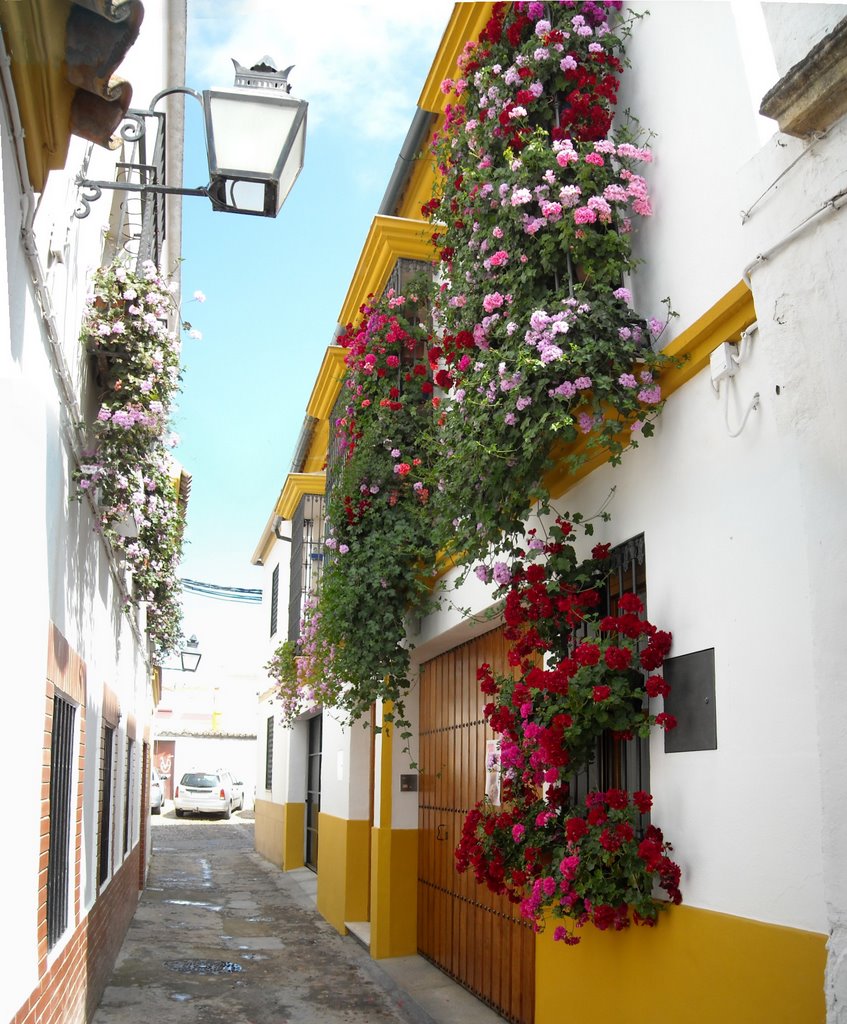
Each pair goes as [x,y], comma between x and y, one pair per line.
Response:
[255,138]
[190,656]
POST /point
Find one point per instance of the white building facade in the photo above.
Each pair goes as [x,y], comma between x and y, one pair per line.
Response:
[76,735]
[735,509]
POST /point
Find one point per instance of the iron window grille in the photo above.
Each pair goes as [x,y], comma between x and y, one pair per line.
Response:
[274,599]
[130,754]
[619,764]
[105,803]
[61,795]
[306,557]
[269,753]
[140,227]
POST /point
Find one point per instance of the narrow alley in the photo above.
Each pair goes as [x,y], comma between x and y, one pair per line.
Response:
[221,935]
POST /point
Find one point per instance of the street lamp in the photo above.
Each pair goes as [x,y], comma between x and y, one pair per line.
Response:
[255,143]
[190,655]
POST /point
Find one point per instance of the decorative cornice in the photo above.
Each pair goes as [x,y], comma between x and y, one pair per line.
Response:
[466,23]
[296,486]
[812,95]
[389,239]
[328,383]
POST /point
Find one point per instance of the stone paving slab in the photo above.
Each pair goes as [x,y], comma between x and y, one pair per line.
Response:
[223,937]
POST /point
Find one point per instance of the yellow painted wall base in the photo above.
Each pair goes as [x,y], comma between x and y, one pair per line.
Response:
[343,868]
[694,967]
[270,824]
[394,892]
[294,837]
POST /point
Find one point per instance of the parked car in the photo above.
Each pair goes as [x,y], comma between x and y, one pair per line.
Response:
[238,794]
[206,792]
[157,792]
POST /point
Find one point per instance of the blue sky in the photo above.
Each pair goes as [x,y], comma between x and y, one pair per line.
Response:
[274,287]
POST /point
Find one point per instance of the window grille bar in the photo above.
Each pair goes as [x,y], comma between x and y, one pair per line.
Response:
[127,800]
[274,599]
[269,754]
[306,557]
[619,764]
[61,779]
[105,804]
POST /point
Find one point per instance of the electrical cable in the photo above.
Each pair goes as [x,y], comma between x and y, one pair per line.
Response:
[754,404]
[240,595]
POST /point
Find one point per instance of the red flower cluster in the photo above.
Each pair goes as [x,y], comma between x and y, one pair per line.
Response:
[549,720]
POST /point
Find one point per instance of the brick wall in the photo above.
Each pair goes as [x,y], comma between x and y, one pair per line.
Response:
[70,989]
[72,983]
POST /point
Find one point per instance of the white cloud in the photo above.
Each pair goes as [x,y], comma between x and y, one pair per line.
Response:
[363,62]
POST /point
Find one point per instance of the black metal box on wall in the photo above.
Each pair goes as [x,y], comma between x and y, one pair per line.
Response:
[691,701]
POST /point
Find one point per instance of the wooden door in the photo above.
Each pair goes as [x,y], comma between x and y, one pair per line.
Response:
[313,791]
[474,936]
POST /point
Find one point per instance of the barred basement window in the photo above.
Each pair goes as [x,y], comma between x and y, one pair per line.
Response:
[619,764]
[274,599]
[269,755]
[105,802]
[61,793]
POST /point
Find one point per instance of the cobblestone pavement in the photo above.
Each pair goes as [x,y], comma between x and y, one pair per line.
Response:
[223,937]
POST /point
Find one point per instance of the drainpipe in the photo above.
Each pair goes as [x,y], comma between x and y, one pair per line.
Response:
[419,129]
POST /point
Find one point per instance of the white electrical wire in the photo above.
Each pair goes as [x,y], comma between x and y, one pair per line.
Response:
[754,404]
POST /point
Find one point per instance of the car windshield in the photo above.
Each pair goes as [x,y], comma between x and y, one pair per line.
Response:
[201,780]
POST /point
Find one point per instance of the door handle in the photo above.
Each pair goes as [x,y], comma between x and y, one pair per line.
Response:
[441,832]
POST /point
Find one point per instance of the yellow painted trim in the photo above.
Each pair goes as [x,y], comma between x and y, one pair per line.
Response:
[35,39]
[269,830]
[328,383]
[315,461]
[466,23]
[294,836]
[389,239]
[343,870]
[394,893]
[724,321]
[695,967]
[296,486]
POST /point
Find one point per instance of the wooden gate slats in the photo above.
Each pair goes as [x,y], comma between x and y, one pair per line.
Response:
[474,936]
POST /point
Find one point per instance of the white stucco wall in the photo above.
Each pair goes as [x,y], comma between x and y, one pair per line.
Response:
[345,768]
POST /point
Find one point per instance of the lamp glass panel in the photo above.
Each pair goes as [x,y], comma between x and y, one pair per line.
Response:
[293,165]
[245,195]
[249,134]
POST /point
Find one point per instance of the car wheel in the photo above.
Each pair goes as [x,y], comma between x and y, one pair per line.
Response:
[157,810]
[228,812]
[179,813]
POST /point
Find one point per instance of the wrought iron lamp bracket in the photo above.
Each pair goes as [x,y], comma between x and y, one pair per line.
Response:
[133,129]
